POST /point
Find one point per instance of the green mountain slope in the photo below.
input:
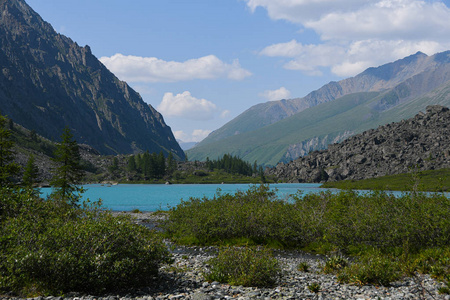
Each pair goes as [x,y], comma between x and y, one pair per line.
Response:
[331,122]
[373,79]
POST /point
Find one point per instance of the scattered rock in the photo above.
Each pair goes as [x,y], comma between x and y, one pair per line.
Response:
[419,143]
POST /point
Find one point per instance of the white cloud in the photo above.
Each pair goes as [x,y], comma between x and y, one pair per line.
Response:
[224,114]
[281,93]
[199,134]
[300,11]
[180,135]
[151,69]
[357,34]
[186,106]
[388,19]
[196,136]
[351,58]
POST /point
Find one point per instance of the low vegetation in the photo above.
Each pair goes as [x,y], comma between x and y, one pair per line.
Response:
[50,248]
[57,245]
[245,266]
[432,180]
[387,236]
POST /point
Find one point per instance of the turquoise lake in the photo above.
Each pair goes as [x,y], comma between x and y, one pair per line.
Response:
[151,197]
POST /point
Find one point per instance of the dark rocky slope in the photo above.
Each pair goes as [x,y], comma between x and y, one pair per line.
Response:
[47,82]
[421,142]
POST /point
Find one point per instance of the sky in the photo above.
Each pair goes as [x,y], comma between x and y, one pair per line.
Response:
[201,63]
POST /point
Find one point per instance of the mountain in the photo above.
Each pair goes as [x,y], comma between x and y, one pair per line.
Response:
[372,79]
[48,82]
[186,145]
[418,143]
[375,97]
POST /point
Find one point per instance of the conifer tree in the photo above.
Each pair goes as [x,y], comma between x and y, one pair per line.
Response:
[171,164]
[7,167]
[30,173]
[131,166]
[160,165]
[67,173]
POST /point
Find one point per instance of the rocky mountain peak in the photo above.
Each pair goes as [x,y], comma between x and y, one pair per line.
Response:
[48,82]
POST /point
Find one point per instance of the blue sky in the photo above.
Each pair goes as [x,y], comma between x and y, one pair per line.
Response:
[203,62]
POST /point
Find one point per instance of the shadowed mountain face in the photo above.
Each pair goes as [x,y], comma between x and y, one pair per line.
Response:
[47,82]
[284,130]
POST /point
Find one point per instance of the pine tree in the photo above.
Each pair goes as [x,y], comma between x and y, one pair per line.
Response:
[30,173]
[115,165]
[160,165]
[171,164]
[7,167]
[67,173]
[131,166]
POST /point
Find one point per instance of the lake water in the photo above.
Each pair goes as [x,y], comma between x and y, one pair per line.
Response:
[151,197]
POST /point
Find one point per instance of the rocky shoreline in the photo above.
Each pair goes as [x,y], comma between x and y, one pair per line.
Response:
[183,279]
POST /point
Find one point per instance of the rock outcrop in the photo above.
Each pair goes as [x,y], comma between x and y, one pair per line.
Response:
[48,82]
[422,142]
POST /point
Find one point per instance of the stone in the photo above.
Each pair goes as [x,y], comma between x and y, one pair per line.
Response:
[391,149]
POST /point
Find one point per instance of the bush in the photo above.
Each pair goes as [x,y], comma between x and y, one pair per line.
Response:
[377,219]
[245,266]
[314,287]
[397,229]
[372,268]
[303,267]
[253,216]
[334,264]
[50,247]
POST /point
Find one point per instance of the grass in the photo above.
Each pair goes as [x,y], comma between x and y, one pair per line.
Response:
[433,180]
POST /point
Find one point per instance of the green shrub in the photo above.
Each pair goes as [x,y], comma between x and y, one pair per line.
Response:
[50,247]
[377,219]
[303,267]
[399,229]
[254,216]
[334,263]
[446,288]
[314,287]
[372,268]
[245,266]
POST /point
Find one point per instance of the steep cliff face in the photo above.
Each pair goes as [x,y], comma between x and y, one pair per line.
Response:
[421,142]
[47,82]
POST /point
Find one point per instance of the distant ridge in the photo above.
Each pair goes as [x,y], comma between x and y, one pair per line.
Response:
[373,79]
[47,82]
[284,130]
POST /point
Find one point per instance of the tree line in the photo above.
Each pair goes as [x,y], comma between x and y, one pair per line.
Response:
[148,165]
[233,165]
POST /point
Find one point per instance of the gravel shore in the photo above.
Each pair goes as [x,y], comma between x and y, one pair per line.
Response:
[184,280]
